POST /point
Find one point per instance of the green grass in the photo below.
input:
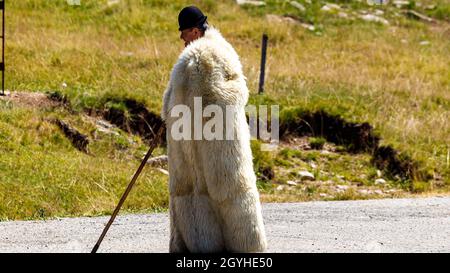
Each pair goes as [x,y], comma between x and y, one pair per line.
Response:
[44,176]
[317,142]
[360,70]
[331,170]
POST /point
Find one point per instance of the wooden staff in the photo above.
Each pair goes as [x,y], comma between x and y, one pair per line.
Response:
[130,186]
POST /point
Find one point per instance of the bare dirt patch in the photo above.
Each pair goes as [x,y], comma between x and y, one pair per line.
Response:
[30,99]
[355,137]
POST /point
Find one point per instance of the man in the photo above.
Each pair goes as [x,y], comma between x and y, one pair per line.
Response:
[214,202]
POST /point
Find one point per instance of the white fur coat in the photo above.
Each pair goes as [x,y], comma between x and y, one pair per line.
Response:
[214,202]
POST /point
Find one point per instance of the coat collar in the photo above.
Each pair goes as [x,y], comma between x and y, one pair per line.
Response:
[210,34]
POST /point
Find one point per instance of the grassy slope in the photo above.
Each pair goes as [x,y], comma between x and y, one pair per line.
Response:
[43,175]
[363,71]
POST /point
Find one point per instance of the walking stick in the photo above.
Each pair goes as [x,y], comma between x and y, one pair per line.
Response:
[130,186]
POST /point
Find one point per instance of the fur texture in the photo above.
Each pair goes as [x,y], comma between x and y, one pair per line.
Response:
[214,202]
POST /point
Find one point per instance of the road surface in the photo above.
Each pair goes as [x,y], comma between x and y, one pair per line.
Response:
[388,225]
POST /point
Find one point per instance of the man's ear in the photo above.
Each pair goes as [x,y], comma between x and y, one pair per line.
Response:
[196,31]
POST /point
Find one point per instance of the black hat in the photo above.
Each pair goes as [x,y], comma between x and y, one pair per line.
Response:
[190,17]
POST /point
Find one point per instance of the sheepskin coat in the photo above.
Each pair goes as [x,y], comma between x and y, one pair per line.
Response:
[214,202]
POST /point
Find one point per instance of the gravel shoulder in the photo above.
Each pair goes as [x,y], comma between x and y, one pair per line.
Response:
[386,225]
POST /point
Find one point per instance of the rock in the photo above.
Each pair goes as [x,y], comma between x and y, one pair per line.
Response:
[341,188]
[281,19]
[297,5]
[280,188]
[288,20]
[330,7]
[333,6]
[305,175]
[106,127]
[342,14]
[163,171]
[328,182]
[379,173]
[308,26]
[392,191]
[251,3]
[291,183]
[107,131]
[374,18]
[379,192]
[424,43]
[325,8]
[380,181]
[418,16]
[158,161]
[400,3]
[104,124]
[364,192]
[113,2]
[74,2]
[314,166]
[126,53]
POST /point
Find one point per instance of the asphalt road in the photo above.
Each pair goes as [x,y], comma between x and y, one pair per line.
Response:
[388,225]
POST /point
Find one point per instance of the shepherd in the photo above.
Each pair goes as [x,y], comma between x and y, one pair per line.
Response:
[214,202]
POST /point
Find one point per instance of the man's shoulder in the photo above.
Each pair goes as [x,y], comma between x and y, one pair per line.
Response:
[209,52]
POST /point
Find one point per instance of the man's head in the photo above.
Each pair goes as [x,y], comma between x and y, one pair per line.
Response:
[192,24]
